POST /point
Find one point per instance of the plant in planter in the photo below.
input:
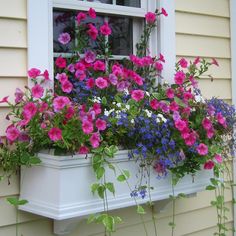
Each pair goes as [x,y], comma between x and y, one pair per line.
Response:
[99,107]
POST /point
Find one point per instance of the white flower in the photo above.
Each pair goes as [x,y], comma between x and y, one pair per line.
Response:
[127,107]
[148,94]
[199,98]
[162,118]
[132,121]
[107,113]
[118,104]
[97,99]
[149,113]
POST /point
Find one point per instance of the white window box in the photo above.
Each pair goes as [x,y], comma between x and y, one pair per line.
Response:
[59,188]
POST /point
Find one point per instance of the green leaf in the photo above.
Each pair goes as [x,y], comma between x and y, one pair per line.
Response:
[110,187]
[101,190]
[179,102]
[109,223]
[140,210]
[114,149]
[172,224]
[91,219]
[214,181]
[104,101]
[100,172]
[181,195]
[121,178]
[94,187]
[126,173]
[210,187]
[112,167]
[117,219]
[16,202]
[34,161]
[118,99]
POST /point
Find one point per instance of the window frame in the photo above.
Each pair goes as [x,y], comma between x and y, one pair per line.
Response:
[40,30]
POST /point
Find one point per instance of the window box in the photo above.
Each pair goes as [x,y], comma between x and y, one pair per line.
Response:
[59,188]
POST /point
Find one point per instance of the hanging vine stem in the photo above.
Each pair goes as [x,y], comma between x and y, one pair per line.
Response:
[106,202]
[172,224]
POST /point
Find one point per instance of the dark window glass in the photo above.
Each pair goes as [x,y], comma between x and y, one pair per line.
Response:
[101,1]
[129,3]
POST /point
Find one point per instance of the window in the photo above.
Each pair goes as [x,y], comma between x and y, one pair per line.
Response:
[125,16]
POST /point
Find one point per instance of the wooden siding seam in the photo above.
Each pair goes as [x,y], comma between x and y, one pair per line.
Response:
[201,13]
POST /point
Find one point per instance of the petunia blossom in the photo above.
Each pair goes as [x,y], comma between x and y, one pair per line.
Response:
[95,140]
[60,62]
[83,150]
[209,165]
[29,110]
[37,91]
[87,127]
[33,73]
[101,124]
[92,13]
[150,17]
[55,134]
[67,86]
[12,133]
[92,31]
[202,149]
[60,102]
[101,83]
[180,77]
[137,95]
[105,29]
[18,95]
[64,38]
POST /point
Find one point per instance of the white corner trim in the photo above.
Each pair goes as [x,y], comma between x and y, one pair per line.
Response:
[166,39]
[233,78]
[40,35]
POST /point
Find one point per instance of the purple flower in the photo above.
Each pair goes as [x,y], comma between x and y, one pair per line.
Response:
[113,79]
[64,38]
[90,57]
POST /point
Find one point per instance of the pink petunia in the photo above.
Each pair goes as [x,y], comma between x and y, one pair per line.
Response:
[92,31]
[170,93]
[46,75]
[29,110]
[113,79]
[12,133]
[105,29]
[89,56]
[55,134]
[62,77]
[190,139]
[60,62]
[95,140]
[162,58]
[218,158]
[174,106]
[210,133]
[33,73]
[209,165]
[206,123]
[87,127]
[221,119]
[101,83]
[43,107]
[92,13]
[214,62]
[180,124]
[37,91]
[99,66]
[137,95]
[64,38]
[197,60]
[159,66]
[69,113]
[83,150]
[154,104]
[183,63]
[101,124]
[18,95]
[90,83]
[97,108]
[202,149]
[4,100]
[80,16]
[67,86]
[180,77]
[150,17]
[163,11]
[60,102]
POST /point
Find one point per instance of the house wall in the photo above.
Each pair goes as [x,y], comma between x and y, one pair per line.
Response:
[202,29]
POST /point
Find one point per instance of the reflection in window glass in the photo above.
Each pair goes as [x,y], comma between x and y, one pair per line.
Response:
[129,3]
[63,22]
[121,40]
[101,1]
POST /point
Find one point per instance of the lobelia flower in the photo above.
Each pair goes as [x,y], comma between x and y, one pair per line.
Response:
[92,31]
[19,94]
[101,83]
[105,29]
[99,66]
[209,165]
[101,124]
[89,56]
[183,63]
[87,127]
[80,16]
[60,102]
[150,17]
[12,133]
[29,110]
[180,77]
[64,38]
[95,140]
[67,86]
[60,62]
[202,149]
[83,150]
[163,11]
[92,13]
[37,91]
[33,73]
[55,134]
[137,95]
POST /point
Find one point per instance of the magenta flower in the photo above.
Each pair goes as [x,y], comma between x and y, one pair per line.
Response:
[162,58]
[29,110]
[113,79]
[4,100]
[12,133]
[60,62]
[99,66]
[163,11]
[87,127]
[190,139]
[64,38]
[209,165]
[43,125]
[18,95]
[83,150]
[46,75]
[154,104]
[214,62]
[62,77]
[43,107]
[174,106]
[159,66]
[210,133]
[180,125]
[92,13]
[221,119]
[90,56]
[33,73]
[67,86]
[95,140]
[101,124]
[97,108]
[90,83]
[101,83]
[218,158]
[137,95]
[92,31]
[55,134]
[202,149]
[206,123]
[197,60]
[180,77]
[69,113]
[150,17]
[183,63]
[80,16]
[170,93]
[37,91]
[105,29]
[60,102]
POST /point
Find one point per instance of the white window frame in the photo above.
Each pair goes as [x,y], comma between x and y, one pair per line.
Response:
[40,31]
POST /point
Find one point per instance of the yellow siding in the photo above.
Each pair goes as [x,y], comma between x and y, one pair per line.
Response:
[202,29]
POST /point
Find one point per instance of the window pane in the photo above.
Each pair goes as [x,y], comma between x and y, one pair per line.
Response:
[121,40]
[101,1]
[129,3]
[63,22]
